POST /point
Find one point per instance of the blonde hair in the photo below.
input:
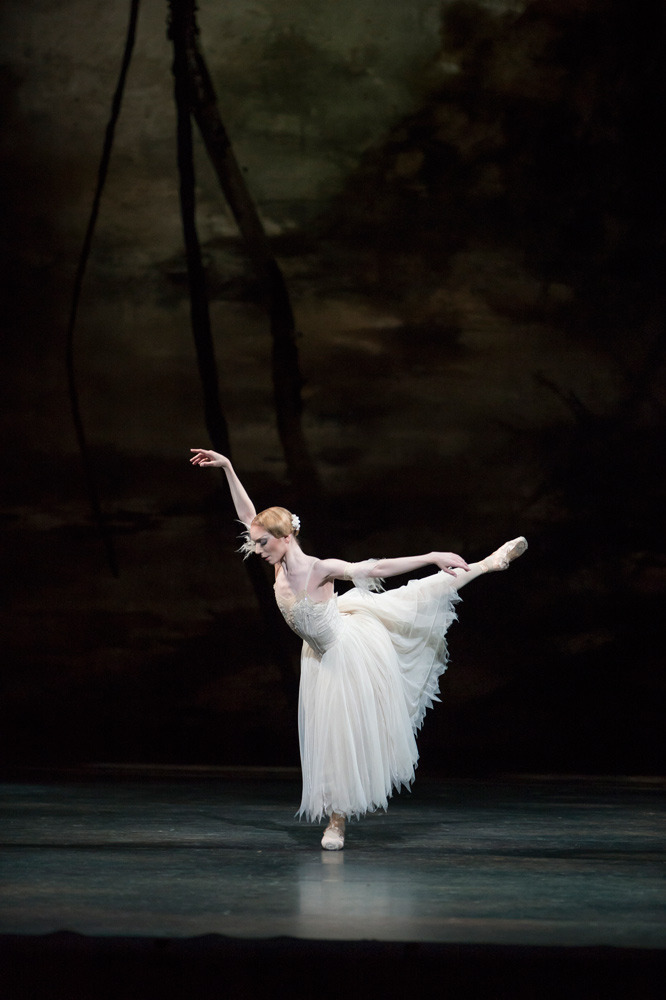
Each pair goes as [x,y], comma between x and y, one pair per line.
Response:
[276,520]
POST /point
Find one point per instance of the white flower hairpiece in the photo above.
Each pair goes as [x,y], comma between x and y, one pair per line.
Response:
[295,522]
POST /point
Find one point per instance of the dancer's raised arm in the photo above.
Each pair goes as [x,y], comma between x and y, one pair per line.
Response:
[213,460]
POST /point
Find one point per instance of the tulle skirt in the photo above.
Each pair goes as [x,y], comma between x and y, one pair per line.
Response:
[362,702]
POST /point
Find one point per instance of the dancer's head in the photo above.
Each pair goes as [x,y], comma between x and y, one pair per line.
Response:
[272,532]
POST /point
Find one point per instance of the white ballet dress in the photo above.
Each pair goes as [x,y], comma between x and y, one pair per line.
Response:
[370,668]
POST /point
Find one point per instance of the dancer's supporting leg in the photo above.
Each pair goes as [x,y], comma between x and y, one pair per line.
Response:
[334,834]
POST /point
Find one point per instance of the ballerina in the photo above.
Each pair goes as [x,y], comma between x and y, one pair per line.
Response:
[371,659]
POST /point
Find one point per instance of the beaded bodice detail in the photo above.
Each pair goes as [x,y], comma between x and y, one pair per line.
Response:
[317,622]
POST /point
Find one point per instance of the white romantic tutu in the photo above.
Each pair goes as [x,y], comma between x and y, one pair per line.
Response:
[370,669]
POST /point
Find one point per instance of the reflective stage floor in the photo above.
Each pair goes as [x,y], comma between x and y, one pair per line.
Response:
[197,883]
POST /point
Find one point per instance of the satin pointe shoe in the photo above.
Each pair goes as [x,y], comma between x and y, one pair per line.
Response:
[504,555]
[334,834]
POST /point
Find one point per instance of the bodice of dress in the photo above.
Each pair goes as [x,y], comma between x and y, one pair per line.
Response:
[317,622]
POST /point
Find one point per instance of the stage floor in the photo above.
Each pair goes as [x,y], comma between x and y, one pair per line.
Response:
[530,861]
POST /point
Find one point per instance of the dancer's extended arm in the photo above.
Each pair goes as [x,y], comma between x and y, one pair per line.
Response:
[338,569]
[213,460]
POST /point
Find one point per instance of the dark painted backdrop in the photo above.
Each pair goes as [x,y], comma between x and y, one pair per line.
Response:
[466,200]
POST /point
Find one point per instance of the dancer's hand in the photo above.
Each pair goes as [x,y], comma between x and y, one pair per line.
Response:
[209,459]
[448,561]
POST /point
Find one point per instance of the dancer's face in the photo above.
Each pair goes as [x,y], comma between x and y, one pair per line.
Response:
[266,545]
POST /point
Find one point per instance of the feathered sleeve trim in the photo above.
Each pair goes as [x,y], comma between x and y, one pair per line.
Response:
[358,574]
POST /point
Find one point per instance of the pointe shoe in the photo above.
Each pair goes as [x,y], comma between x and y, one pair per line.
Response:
[504,555]
[334,834]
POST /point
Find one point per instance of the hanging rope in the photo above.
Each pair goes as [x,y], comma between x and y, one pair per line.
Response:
[199,309]
[91,482]
[287,382]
